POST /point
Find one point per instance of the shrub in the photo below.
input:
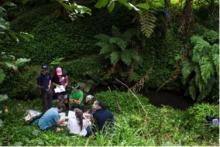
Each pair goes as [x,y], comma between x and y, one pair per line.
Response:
[23,83]
[121,101]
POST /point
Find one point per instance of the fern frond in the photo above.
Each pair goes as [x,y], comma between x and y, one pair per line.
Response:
[147,21]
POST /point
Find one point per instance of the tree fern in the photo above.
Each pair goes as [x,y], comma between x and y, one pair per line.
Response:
[147,21]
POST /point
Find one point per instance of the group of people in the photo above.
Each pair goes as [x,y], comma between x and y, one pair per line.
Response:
[85,114]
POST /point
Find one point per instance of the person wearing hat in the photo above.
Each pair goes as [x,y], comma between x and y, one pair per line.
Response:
[76,97]
[44,83]
[60,80]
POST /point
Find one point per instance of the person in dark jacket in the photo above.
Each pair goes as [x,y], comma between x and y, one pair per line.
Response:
[44,83]
[102,116]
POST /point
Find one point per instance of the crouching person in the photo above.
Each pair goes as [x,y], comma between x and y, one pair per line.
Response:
[102,116]
[78,124]
[51,118]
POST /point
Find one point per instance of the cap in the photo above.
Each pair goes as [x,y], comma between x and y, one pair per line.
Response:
[44,66]
[59,71]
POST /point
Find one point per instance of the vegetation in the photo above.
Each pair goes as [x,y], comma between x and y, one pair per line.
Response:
[160,126]
[111,46]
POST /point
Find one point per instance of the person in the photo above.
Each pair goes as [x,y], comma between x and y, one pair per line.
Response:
[78,124]
[76,98]
[60,81]
[102,116]
[213,120]
[89,100]
[44,83]
[51,117]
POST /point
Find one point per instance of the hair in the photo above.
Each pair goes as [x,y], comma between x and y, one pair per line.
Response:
[79,116]
[61,105]
[102,105]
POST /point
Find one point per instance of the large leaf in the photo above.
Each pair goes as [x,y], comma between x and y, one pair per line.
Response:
[101,3]
[114,56]
[187,69]
[111,6]
[144,6]
[102,37]
[119,42]
[22,61]
[26,36]
[192,89]
[11,65]
[126,56]
[206,69]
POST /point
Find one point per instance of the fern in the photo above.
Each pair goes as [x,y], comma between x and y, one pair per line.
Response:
[147,21]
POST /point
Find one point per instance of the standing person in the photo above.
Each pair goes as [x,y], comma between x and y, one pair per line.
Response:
[102,116]
[77,124]
[44,83]
[51,117]
[76,98]
[60,81]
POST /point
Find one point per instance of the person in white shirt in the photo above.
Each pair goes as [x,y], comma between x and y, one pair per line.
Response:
[77,124]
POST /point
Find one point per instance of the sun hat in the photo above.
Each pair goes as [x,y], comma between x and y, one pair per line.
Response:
[59,71]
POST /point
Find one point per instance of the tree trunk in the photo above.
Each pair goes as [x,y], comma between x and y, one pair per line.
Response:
[186,18]
[167,12]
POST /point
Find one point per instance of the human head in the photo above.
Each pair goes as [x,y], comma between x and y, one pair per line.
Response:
[98,105]
[90,99]
[45,68]
[61,107]
[59,71]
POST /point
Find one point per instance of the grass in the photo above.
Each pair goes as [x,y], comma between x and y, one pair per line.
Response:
[161,126]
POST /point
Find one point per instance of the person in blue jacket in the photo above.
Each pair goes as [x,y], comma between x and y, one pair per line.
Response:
[44,83]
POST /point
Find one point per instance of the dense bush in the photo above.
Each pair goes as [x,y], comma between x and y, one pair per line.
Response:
[22,83]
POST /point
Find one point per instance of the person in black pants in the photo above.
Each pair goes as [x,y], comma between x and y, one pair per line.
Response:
[44,83]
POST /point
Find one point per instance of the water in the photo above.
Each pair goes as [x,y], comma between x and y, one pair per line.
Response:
[168,98]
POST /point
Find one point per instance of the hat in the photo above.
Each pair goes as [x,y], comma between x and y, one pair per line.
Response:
[59,71]
[44,66]
[89,97]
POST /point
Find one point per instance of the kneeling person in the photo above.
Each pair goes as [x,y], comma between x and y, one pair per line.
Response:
[51,117]
[76,98]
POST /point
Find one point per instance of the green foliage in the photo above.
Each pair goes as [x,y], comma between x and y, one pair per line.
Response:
[117,47]
[25,79]
[147,21]
[196,117]
[161,126]
[74,9]
[200,70]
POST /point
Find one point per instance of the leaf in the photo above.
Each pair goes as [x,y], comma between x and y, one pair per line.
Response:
[119,42]
[101,3]
[126,57]
[144,6]
[206,69]
[2,76]
[26,36]
[9,4]
[111,6]
[192,89]
[3,97]
[11,66]
[115,31]
[102,37]
[114,56]
[147,21]
[21,61]
[187,69]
